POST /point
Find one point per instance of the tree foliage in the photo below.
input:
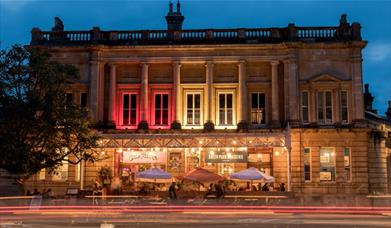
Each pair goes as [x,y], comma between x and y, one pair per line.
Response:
[39,127]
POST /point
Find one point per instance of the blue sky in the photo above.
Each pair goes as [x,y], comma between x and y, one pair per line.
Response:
[17,17]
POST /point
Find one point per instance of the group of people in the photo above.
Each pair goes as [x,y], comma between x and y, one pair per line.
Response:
[46,194]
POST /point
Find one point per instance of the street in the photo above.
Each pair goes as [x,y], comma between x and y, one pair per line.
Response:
[193,217]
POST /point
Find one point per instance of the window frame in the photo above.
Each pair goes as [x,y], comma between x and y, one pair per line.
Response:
[153,108]
[342,106]
[185,109]
[226,92]
[310,164]
[334,165]
[302,106]
[121,109]
[350,164]
[264,111]
[324,107]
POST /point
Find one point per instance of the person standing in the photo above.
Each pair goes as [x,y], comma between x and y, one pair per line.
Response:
[171,191]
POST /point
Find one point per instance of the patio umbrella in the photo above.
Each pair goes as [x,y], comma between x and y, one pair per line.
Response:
[154,174]
[252,174]
[202,176]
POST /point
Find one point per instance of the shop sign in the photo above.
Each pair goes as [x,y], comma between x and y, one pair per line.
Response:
[226,157]
[262,150]
[325,176]
[144,157]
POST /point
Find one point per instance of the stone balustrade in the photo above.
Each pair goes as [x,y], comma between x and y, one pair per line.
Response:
[291,33]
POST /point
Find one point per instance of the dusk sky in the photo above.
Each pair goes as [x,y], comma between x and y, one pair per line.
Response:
[18,17]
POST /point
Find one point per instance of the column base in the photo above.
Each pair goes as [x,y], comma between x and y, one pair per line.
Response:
[360,123]
[209,126]
[143,125]
[275,124]
[176,125]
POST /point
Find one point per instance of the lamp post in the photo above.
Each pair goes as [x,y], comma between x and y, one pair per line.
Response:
[289,149]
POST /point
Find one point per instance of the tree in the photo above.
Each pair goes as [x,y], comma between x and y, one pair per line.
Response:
[39,127]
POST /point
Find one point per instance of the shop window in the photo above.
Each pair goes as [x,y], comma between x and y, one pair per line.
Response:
[324,107]
[69,97]
[61,174]
[129,109]
[161,109]
[42,174]
[83,100]
[258,108]
[307,164]
[347,164]
[327,164]
[304,107]
[225,109]
[77,171]
[193,109]
[344,106]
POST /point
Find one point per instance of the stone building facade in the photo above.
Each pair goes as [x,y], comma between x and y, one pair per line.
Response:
[288,101]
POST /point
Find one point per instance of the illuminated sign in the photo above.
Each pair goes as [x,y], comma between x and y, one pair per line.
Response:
[226,157]
[144,157]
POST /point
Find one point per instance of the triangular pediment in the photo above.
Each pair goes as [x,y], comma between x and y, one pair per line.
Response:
[325,78]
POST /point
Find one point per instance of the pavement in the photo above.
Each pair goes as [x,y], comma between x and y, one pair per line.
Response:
[194,216]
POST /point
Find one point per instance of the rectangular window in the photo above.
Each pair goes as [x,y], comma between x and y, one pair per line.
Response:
[129,109]
[327,164]
[307,164]
[258,108]
[161,109]
[324,107]
[225,108]
[77,172]
[61,173]
[69,97]
[344,106]
[347,162]
[42,174]
[83,100]
[193,109]
[304,107]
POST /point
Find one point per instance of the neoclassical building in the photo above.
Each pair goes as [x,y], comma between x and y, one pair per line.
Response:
[288,101]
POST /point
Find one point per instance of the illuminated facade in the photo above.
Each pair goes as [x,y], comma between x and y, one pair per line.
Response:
[223,99]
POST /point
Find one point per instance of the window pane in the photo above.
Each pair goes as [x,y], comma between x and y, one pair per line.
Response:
[304,98]
[158,101]
[254,100]
[222,100]
[69,97]
[320,107]
[222,116]
[197,115]
[307,164]
[83,100]
[347,174]
[189,100]
[261,100]
[189,116]
[328,98]
[229,100]
[133,102]
[126,101]
[165,101]
[165,117]
[197,101]
[305,114]
[344,106]
[327,164]
[229,116]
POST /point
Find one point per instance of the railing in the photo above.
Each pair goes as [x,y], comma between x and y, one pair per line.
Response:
[145,37]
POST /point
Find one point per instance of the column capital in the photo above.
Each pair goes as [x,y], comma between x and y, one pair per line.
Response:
[113,65]
[241,62]
[144,64]
[209,63]
[176,63]
[274,62]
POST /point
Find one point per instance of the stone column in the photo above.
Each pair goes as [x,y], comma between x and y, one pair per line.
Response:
[209,93]
[242,101]
[177,91]
[112,94]
[292,95]
[275,100]
[358,99]
[94,79]
[144,93]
